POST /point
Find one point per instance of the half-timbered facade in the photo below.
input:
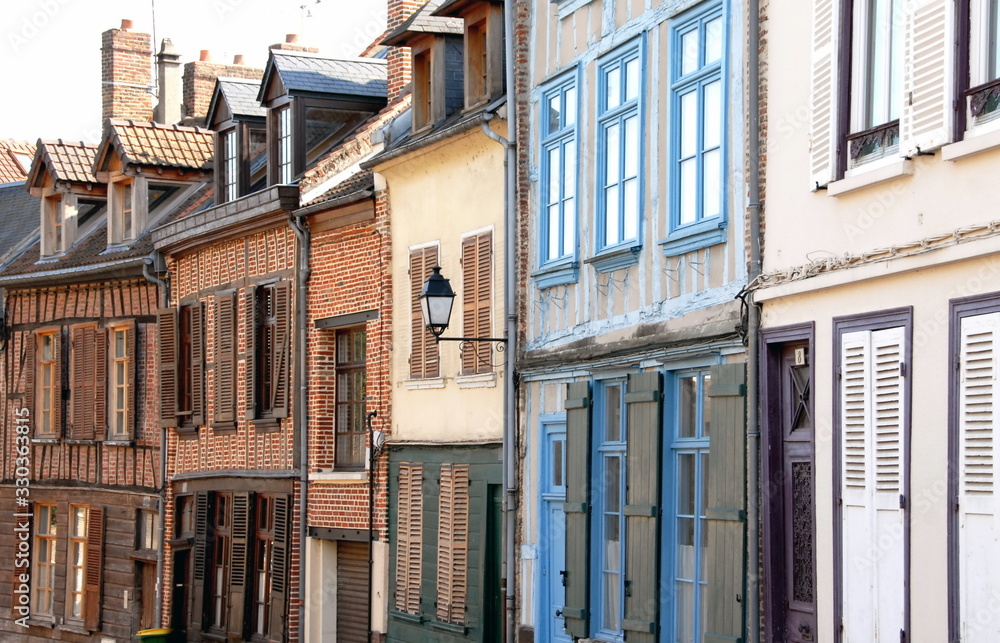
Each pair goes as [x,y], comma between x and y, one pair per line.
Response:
[632,363]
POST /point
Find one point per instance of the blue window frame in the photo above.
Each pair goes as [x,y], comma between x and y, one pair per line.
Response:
[619,146]
[686,491]
[608,528]
[559,172]
[698,127]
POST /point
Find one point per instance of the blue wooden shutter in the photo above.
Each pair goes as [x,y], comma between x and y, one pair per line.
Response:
[577,506]
[726,510]
[642,506]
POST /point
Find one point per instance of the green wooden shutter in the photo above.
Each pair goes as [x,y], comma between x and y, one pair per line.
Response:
[199,559]
[239,564]
[726,511]
[642,506]
[577,508]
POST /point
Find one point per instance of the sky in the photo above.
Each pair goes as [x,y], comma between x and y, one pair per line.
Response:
[50,50]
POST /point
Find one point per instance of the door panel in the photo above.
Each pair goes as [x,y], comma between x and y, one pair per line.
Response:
[552,537]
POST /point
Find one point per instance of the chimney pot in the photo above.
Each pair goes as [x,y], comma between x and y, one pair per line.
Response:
[126,24]
[291,38]
[206,56]
[238,59]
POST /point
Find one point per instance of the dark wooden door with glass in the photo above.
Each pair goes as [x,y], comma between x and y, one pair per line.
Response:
[791,539]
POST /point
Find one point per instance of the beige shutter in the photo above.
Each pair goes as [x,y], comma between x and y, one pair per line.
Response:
[978,529]
[823,98]
[410,505]
[927,112]
[484,300]
[453,543]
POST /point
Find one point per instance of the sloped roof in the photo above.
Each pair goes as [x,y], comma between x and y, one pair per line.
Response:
[422,21]
[240,95]
[66,161]
[305,72]
[11,169]
[90,252]
[152,144]
[358,182]
[19,217]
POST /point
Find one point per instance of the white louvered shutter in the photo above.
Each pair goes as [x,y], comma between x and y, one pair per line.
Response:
[979,556]
[823,96]
[872,422]
[927,86]
[856,411]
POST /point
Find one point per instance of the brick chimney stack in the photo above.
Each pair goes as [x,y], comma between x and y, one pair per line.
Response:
[199,83]
[126,74]
[398,59]
[292,44]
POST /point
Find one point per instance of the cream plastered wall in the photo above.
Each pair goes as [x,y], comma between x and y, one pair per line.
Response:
[803,225]
[570,37]
[928,291]
[436,195]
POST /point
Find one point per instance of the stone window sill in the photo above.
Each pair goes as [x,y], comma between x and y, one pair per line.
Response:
[482,380]
[429,383]
[971,145]
[867,177]
[615,258]
[556,274]
[339,476]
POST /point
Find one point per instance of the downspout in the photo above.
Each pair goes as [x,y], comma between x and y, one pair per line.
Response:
[510,319]
[753,329]
[152,260]
[302,410]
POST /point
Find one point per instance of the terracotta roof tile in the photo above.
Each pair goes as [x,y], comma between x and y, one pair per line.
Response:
[13,156]
[152,144]
[69,161]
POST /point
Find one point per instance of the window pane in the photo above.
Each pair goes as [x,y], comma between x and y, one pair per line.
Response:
[685,484]
[569,226]
[47,342]
[685,613]
[612,140]
[689,124]
[632,79]
[612,88]
[612,486]
[612,601]
[557,463]
[631,207]
[713,41]
[554,174]
[713,178]
[79,522]
[554,119]
[553,232]
[631,146]
[120,349]
[569,169]
[611,230]
[612,413]
[569,117]
[713,115]
[688,189]
[706,406]
[687,401]
[689,52]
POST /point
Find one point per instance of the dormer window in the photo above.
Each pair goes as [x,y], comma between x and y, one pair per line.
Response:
[240,129]
[53,237]
[437,79]
[65,217]
[137,202]
[422,89]
[123,213]
[229,176]
[483,54]
[284,145]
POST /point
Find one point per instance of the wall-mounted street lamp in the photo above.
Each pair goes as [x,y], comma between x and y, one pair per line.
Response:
[436,301]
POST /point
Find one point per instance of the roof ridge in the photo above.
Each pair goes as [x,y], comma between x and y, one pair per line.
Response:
[316,56]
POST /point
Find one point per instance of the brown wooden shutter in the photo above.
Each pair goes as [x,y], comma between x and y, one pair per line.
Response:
[409,540]
[199,560]
[197,374]
[250,352]
[132,380]
[166,330]
[432,353]
[453,543]
[93,575]
[576,576]
[280,369]
[484,301]
[239,565]
[225,358]
[100,383]
[81,387]
[30,366]
[57,381]
[23,524]
[279,567]
[470,304]
[417,330]
[642,506]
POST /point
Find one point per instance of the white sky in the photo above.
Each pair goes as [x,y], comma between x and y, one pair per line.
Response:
[50,50]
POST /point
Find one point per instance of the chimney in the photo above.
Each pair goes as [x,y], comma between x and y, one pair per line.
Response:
[126,74]
[168,67]
[199,83]
[292,44]
[398,58]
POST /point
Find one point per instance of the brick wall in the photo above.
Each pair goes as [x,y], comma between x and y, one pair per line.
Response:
[398,58]
[126,75]
[199,83]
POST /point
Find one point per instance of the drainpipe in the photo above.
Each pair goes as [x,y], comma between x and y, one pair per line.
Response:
[156,259]
[753,329]
[510,319]
[302,411]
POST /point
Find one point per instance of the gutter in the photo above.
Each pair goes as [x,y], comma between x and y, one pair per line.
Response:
[152,260]
[28,278]
[753,330]
[302,409]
